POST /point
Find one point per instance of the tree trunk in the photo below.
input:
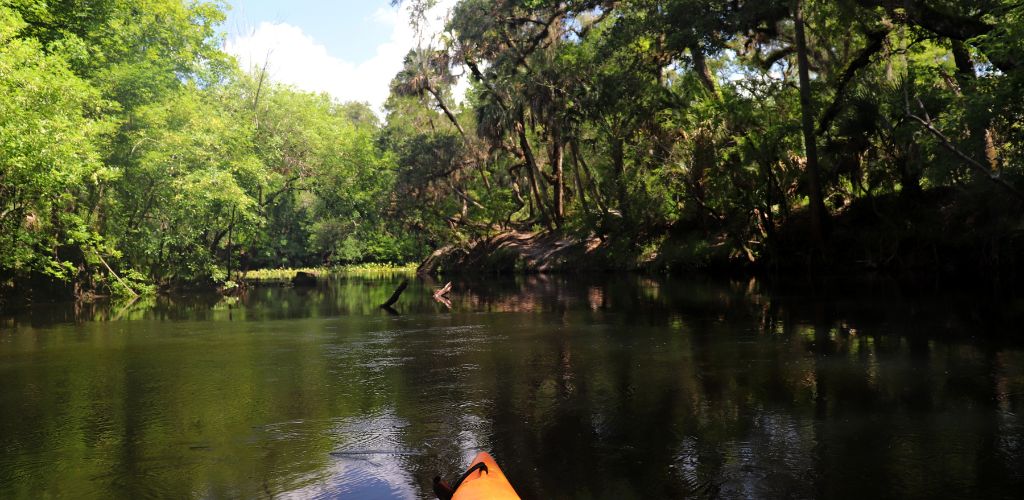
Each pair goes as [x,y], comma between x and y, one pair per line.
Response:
[533,172]
[703,158]
[447,112]
[700,67]
[817,204]
[981,133]
[462,132]
[910,181]
[769,201]
[516,192]
[578,182]
[230,230]
[588,176]
[557,160]
[619,169]
[964,65]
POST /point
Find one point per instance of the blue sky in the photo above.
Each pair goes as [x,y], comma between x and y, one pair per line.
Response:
[347,28]
[349,49]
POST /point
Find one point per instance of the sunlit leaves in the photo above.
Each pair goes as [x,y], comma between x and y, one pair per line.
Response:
[49,149]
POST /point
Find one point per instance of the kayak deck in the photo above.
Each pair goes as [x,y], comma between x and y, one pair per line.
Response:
[491,485]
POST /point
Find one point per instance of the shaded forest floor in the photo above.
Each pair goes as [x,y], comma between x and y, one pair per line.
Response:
[938,232]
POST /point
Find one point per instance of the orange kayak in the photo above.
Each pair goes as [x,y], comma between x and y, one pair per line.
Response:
[490,485]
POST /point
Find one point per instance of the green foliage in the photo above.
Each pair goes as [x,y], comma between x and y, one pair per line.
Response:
[641,120]
[130,284]
[51,132]
[128,139]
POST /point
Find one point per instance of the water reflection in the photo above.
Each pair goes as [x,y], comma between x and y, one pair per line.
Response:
[602,387]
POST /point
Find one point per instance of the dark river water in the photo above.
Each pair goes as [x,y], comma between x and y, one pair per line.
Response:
[581,387]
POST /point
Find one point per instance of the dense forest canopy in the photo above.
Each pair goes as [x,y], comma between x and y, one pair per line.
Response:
[134,152]
[131,144]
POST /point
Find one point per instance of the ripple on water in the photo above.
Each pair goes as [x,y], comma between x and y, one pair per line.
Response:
[371,479]
[383,349]
[369,458]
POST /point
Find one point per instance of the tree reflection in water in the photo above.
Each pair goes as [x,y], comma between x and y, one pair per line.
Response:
[602,387]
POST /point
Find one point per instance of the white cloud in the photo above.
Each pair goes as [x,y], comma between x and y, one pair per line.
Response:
[295,58]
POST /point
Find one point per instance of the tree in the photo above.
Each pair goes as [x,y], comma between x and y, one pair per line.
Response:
[808,113]
[51,133]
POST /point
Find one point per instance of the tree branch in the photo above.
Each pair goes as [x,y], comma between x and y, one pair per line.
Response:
[926,122]
[125,285]
[875,42]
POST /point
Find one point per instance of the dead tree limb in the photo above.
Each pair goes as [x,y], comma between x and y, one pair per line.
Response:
[441,295]
[394,296]
[443,291]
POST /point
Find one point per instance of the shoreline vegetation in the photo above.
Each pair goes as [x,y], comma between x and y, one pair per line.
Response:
[776,138]
[243,279]
[368,270]
[958,236]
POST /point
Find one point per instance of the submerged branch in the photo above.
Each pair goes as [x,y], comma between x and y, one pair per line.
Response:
[394,296]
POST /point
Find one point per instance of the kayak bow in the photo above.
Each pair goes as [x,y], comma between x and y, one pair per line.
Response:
[482,480]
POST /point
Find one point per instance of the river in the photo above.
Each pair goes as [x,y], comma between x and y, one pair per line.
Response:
[581,387]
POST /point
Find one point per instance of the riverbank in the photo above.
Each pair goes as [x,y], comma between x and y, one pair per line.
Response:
[22,293]
[940,232]
[368,270]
